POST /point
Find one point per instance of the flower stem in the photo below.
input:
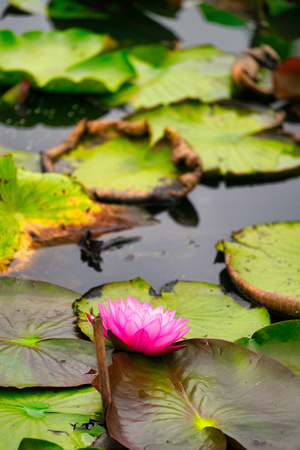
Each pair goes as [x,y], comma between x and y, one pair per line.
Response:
[102,365]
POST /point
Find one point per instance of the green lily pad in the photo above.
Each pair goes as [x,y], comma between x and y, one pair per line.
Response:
[30,6]
[124,169]
[225,137]
[39,209]
[217,15]
[49,415]
[193,397]
[199,72]
[264,263]
[25,160]
[39,344]
[280,340]
[62,61]
[211,313]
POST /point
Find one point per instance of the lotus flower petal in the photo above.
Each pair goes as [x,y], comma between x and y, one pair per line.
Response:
[140,340]
[143,328]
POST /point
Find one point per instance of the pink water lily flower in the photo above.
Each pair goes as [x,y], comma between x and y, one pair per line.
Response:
[143,328]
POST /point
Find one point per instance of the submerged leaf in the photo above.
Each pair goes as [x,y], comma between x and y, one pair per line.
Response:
[46,209]
[280,340]
[211,313]
[192,398]
[226,138]
[49,414]
[62,61]
[264,264]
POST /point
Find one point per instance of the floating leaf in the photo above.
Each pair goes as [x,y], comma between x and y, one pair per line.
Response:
[62,61]
[189,398]
[198,72]
[264,263]
[126,168]
[218,15]
[225,137]
[244,11]
[39,209]
[211,313]
[30,6]
[280,340]
[24,160]
[49,415]
[39,344]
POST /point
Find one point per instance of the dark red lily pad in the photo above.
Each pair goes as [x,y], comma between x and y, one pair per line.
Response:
[287,79]
[39,342]
[197,396]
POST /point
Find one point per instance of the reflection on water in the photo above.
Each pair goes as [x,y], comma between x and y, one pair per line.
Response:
[171,250]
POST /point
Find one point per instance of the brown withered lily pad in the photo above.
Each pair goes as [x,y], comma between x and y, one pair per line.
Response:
[47,209]
[251,71]
[115,161]
[264,262]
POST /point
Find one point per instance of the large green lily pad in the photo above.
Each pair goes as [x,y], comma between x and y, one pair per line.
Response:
[225,137]
[49,415]
[280,340]
[264,263]
[62,61]
[198,72]
[125,169]
[196,396]
[211,313]
[39,343]
[39,209]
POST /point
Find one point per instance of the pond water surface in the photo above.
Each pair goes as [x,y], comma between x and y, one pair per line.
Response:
[182,245]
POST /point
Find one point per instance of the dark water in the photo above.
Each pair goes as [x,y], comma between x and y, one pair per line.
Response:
[182,245]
